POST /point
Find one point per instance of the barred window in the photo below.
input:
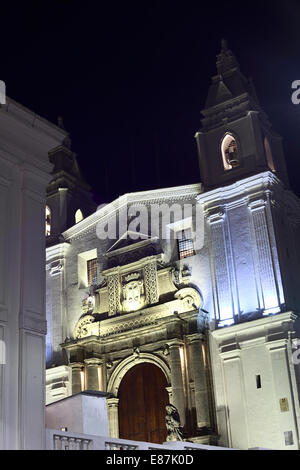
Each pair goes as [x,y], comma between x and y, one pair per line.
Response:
[91,270]
[185,244]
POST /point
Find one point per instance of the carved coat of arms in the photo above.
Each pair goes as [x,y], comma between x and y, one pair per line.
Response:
[133,292]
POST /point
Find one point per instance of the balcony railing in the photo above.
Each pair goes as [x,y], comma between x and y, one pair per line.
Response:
[61,440]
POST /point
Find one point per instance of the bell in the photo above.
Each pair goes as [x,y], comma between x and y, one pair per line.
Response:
[231,157]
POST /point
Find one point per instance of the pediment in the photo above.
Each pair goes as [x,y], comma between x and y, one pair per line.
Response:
[128,239]
[131,247]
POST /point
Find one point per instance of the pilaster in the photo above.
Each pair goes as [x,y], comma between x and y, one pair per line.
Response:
[177,383]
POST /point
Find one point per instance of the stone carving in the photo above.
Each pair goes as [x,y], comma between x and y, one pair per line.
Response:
[81,330]
[133,292]
[176,276]
[113,287]
[186,273]
[181,276]
[131,277]
[56,268]
[150,276]
[191,299]
[136,353]
[88,304]
[173,424]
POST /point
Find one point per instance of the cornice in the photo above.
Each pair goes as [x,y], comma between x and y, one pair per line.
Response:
[238,192]
[136,265]
[178,193]
[259,324]
[57,251]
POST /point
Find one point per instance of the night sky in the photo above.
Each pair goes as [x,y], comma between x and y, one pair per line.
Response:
[130,78]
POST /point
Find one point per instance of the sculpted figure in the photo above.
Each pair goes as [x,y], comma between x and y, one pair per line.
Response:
[173,424]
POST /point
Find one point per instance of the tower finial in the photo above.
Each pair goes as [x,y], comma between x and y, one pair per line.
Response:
[226,60]
[224,45]
[60,122]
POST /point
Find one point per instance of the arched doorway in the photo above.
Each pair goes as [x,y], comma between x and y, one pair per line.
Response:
[142,401]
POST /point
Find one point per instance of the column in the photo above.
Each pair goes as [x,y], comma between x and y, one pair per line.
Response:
[177,379]
[113,416]
[92,374]
[103,376]
[76,377]
[200,383]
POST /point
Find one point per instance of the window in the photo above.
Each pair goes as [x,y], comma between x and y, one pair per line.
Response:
[87,268]
[229,153]
[78,216]
[269,156]
[48,221]
[185,243]
[258,381]
[91,270]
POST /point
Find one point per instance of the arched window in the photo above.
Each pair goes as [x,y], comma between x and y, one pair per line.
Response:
[48,221]
[269,156]
[78,216]
[229,152]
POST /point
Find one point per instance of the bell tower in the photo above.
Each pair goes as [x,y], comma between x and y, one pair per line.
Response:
[69,198]
[236,139]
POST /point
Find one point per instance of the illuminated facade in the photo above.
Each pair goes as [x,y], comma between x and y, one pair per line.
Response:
[206,323]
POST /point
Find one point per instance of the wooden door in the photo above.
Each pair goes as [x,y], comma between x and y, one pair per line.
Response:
[142,404]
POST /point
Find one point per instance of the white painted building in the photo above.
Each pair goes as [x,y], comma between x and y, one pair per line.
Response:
[206,319]
[25,140]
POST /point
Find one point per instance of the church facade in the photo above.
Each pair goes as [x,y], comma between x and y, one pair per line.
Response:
[186,295]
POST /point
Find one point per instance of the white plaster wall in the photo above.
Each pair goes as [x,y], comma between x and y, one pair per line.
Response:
[253,417]
[79,413]
[25,140]
[66,413]
[94,412]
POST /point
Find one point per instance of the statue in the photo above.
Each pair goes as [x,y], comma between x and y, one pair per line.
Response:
[173,424]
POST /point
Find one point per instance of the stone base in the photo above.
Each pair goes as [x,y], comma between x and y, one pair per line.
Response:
[209,439]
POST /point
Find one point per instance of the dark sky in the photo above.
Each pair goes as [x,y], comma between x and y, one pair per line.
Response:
[131,77]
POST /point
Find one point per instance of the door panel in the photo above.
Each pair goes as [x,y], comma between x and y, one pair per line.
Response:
[142,401]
